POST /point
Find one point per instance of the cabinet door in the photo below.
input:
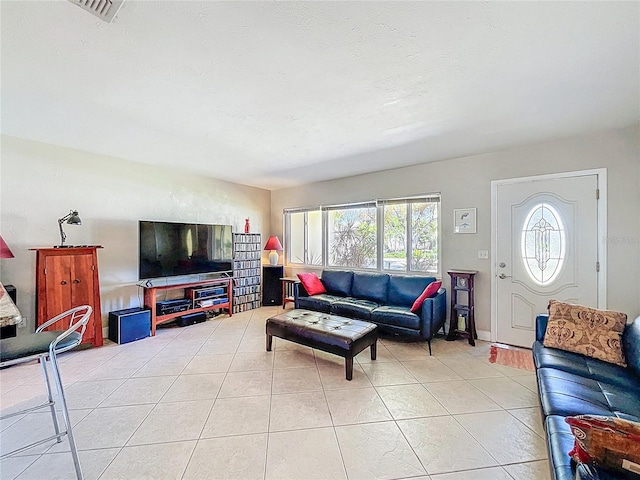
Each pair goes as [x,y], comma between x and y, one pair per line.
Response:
[82,290]
[69,283]
[82,280]
[57,288]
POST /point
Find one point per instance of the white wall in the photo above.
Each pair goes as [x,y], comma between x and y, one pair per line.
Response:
[466,182]
[40,183]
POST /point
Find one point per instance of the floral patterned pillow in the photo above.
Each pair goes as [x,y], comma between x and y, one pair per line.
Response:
[608,442]
[588,331]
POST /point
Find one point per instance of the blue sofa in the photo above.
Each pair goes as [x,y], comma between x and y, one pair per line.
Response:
[572,384]
[379,298]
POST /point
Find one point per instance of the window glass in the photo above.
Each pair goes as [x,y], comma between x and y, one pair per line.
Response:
[296,237]
[352,238]
[424,237]
[349,235]
[314,236]
[395,237]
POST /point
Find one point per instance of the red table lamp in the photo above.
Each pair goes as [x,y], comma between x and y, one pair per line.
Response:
[5,251]
[273,244]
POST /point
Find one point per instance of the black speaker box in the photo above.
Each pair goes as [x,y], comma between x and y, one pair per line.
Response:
[129,325]
[272,285]
[11,290]
[191,319]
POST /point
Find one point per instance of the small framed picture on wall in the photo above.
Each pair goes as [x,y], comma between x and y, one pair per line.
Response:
[464,220]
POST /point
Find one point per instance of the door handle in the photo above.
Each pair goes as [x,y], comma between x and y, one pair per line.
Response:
[76,281]
[502,276]
[63,282]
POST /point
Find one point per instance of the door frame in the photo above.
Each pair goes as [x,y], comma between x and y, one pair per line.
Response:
[601,175]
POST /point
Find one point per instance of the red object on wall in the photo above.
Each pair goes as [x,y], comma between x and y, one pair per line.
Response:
[5,251]
[246,226]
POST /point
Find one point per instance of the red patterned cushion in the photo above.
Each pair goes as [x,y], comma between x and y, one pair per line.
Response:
[430,291]
[609,442]
[312,283]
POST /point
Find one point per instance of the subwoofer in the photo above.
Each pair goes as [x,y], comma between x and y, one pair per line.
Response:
[272,285]
[129,325]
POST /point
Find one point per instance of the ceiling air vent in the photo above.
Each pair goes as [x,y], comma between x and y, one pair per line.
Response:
[103,9]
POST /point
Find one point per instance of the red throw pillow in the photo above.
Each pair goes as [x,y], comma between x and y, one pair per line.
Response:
[312,283]
[430,291]
[610,442]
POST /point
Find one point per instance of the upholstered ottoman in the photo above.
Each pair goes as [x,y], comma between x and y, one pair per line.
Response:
[330,333]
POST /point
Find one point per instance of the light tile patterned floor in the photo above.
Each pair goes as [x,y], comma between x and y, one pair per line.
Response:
[207,401]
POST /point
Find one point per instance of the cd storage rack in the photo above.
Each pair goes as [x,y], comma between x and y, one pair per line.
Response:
[247,255]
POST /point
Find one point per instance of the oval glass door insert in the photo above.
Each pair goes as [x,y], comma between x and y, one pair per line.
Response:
[543,244]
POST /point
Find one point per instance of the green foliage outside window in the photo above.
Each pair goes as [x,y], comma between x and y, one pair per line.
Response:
[409,236]
[423,234]
[424,230]
[353,240]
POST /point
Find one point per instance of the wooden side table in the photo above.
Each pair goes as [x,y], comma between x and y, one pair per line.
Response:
[287,290]
[462,307]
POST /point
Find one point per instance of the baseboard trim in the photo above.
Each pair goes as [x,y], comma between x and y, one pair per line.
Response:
[484,335]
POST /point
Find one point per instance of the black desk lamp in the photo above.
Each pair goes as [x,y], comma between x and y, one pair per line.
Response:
[71,218]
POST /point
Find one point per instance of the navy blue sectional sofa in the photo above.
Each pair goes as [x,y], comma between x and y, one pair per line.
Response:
[379,298]
[572,384]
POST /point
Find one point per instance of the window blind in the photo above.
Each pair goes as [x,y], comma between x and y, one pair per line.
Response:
[429,198]
[346,206]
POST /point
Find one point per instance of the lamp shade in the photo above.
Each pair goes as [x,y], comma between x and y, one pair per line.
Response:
[273,243]
[74,219]
[5,251]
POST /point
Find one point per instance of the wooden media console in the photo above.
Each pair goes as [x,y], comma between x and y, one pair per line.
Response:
[218,300]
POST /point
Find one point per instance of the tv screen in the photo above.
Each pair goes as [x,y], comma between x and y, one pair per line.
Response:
[170,249]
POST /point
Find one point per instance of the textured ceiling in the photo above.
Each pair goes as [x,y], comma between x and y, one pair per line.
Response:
[273,94]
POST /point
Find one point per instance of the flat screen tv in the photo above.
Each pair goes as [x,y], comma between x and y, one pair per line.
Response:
[170,249]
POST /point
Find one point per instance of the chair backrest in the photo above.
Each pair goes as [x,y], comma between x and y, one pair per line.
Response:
[78,319]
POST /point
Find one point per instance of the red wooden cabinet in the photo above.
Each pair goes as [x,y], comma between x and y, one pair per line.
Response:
[67,278]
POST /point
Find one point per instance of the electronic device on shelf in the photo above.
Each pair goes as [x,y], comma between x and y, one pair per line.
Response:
[170,249]
[210,302]
[208,292]
[166,307]
[191,319]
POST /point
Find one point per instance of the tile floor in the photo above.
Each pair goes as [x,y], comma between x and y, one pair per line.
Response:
[207,401]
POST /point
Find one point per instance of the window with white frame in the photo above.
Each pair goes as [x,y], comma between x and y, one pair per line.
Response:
[304,237]
[352,239]
[400,235]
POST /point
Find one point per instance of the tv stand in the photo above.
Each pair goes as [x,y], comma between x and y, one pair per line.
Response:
[223,300]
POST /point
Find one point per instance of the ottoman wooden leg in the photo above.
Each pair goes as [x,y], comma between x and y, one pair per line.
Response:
[269,341]
[374,350]
[348,365]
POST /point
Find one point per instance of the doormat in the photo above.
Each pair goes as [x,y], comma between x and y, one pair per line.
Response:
[512,357]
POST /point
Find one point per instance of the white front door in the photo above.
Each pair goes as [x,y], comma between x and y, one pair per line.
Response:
[546,247]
